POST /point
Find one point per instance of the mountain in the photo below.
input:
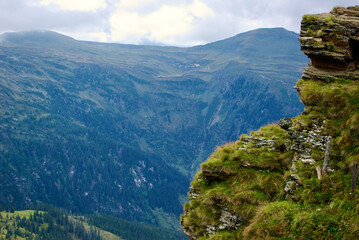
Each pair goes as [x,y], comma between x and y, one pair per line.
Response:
[121,129]
[41,39]
[295,179]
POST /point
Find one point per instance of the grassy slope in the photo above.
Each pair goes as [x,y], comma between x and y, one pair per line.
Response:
[323,209]
[82,123]
[109,227]
[9,223]
[269,190]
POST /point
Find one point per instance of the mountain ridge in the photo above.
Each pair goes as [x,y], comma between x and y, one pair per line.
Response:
[120,129]
[33,35]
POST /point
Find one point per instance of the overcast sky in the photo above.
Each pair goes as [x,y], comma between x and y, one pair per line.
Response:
[171,22]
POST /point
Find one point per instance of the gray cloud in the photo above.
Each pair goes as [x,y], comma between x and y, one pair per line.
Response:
[236,16]
[230,17]
[18,15]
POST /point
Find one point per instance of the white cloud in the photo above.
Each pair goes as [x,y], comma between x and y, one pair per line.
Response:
[164,24]
[98,36]
[134,4]
[236,16]
[80,5]
[180,22]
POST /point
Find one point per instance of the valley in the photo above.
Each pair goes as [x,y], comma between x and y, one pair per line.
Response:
[121,129]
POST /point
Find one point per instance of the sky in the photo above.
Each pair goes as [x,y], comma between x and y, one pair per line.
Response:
[158,22]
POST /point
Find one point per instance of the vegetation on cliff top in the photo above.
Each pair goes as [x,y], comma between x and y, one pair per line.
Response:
[249,180]
[270,184]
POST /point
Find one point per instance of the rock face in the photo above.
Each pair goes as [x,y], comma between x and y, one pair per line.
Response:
[271,184]
[331,40]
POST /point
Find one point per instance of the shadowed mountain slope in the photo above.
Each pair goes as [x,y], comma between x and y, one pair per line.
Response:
[120,129]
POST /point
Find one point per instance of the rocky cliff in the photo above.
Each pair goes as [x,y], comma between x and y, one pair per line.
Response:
[274,183]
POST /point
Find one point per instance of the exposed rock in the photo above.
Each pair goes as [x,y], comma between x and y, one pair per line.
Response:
[304,141]
[228,220]
[328,75]
[330,39]
[319,172]
[291,186]
[294,177]
[257,142]
[285,123]
[210,230]
[288,187]
[192,194]
[332,42]
[311,161]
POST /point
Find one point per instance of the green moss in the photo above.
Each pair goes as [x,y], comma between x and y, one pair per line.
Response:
[330,46]
[337,8]
[270,131]
[285,220]
[310,33]
[271,221]
[335,94]
[329,21]
[310,18]
[317,26]
[338,101]
[302,122]
[224,236]
[323,208]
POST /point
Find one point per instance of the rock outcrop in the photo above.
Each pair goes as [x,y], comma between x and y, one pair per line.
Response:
[331,40]
[271,184]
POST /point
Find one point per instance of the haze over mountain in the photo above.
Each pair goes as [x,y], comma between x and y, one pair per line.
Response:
[120,129]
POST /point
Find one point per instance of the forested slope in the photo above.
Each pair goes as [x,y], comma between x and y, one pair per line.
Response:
[120,129]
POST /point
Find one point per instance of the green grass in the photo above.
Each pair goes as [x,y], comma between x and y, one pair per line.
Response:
[22,214]
[256,176]
[98,109]
[256,181]
[8,222]
[12,225]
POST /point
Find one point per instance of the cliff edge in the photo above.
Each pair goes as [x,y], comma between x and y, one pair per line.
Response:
[294,179]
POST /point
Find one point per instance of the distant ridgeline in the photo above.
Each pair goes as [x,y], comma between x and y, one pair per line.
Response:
[295,179]
[121,129]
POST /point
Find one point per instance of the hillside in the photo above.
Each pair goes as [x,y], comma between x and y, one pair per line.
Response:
[294,179]
[53,223]
[121,129]
[30,224]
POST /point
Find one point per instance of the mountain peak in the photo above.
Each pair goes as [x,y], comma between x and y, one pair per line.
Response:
[268,30]
[262,39]
[117,128]
[43,38]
